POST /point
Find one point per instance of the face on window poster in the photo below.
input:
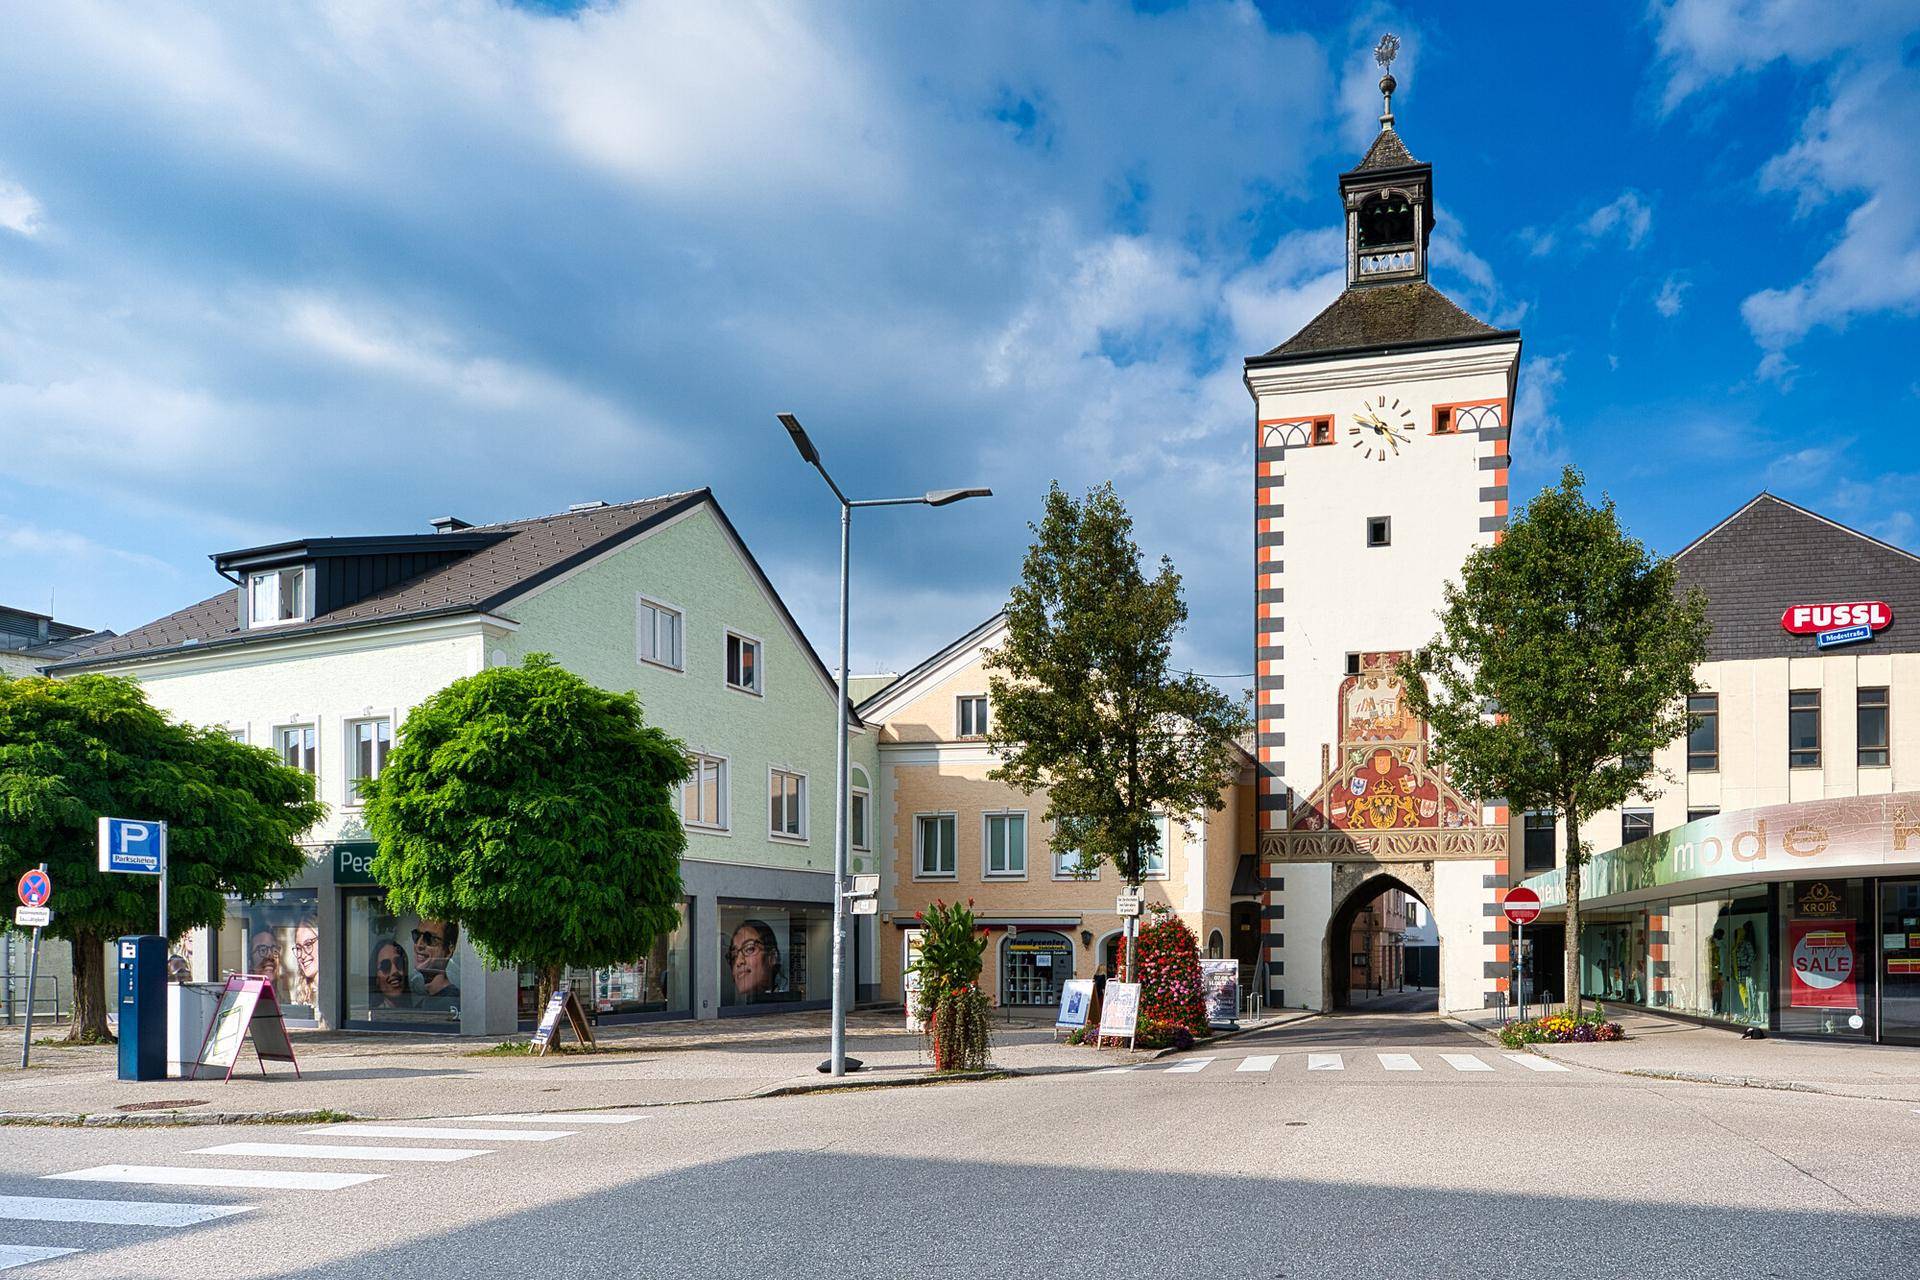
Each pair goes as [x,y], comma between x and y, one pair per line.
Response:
[401,969]
[278,937]
[756,964]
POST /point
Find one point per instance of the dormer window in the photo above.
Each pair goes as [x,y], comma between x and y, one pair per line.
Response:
[277,596]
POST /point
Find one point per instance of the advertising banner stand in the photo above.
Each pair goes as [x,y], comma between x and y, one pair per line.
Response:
[1220,979]
[547,1034]
[1120,1015]
[247,1007]
[1076,997]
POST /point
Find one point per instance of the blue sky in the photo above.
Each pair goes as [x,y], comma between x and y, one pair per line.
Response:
[339,268]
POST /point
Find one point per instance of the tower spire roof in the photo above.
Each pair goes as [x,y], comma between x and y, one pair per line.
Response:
[1387,151]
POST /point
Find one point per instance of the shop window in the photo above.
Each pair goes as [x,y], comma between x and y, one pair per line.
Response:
[1538,842]
[658,983]
[1006,846]
[787,804]
[1803,729]
[1872,715]
[774,953]
[402,970]
[1824,977]
[1703,738]
[703,796]
[1635,824]
[933,846]
[970,716]
[1032,968]
[277,936]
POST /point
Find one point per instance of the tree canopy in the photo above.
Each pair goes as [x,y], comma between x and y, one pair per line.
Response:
[1085,700]
[537,810]
[74,751]
[1564,660]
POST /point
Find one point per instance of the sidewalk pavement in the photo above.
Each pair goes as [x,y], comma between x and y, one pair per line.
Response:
[1669,1049]
[394,1076]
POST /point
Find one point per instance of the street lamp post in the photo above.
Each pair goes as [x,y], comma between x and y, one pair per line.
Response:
[837,1063]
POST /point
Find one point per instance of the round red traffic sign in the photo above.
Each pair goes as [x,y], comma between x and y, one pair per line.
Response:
[35,888]
[1522,905]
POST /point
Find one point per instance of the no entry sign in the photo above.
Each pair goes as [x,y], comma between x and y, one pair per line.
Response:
[1522,905]
[35,888]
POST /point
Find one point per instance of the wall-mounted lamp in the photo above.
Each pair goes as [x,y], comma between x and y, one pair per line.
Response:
[1086,937]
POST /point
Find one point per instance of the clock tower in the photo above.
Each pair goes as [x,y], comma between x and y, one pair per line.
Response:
[1380,459]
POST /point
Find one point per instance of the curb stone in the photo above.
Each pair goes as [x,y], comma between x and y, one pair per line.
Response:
[852,1082]
[171,1119]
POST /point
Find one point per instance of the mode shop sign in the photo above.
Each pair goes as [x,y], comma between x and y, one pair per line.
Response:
[1847,622]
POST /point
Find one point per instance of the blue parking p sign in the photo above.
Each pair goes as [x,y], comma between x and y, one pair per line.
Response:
[134,845]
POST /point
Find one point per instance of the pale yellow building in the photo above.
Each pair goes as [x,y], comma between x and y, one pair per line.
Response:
[953,833]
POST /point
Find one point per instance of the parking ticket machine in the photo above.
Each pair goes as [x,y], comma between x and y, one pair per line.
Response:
[143,1007]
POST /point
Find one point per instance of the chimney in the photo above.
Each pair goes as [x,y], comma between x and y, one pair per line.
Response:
[448,524]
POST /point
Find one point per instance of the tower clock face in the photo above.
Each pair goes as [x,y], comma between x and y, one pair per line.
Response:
[1381,428]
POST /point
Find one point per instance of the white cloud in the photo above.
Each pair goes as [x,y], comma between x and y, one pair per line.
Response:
[1628,215]
[26,540]
[1538,443]
[1860,143]
[1672,296]
[19,211]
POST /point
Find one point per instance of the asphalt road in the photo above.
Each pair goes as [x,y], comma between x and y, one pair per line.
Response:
[1423,1153]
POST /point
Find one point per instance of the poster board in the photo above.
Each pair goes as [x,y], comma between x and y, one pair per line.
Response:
[1220,980]
[247,1006]
[1822,964]
[1076,997]
[910,957]
[1120,1015]
[562,1001]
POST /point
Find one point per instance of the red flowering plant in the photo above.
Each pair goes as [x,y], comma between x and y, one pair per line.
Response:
[1172,999]
[954,1007]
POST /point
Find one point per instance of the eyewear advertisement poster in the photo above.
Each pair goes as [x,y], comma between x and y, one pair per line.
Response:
[1120,1015]
[402,970]
[773,954]
[247,1005]
[1822,964]
[1221,981]
[277,936]
[1076,997]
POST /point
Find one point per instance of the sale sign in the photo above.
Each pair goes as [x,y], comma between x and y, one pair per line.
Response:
[1822,961]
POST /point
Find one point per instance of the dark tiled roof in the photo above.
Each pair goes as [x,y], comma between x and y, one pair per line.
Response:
[535,551]
[1770,555]
[1384,315]
[1387,152]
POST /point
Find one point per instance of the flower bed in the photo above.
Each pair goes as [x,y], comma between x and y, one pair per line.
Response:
[1561,1028]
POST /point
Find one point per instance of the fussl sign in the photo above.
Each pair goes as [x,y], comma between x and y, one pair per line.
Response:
[1812,619]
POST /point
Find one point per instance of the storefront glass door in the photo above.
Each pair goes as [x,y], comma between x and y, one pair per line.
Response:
[1900,961]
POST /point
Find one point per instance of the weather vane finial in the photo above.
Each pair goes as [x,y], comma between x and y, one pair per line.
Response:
[1384,53]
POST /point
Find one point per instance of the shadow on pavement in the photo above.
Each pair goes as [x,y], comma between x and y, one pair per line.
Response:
[821,1214]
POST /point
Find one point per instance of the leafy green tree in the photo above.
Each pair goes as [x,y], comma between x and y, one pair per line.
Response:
[1564,660]
[74,751]
[539,812]
[1086,702]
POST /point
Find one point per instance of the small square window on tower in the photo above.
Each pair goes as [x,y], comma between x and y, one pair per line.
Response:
[1323,430]
[1353,664]
[1379,531]
[1443,420]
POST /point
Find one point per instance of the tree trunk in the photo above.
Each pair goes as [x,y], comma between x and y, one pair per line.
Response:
[1571,877]
[89,1025]
[549,979]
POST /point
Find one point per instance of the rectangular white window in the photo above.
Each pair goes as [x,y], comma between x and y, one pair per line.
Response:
[1066,866]
[297,747]
[787,805]
[368,742]
[857,818]
[972,717]
[1007,845]
[1156,860]
[703,796]
[276,596]
[743,663]
[659,634]
[933,845]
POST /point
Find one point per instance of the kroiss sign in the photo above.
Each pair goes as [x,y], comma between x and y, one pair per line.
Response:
[1812,619]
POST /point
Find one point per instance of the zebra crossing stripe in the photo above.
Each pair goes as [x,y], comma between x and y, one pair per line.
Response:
[321,1151]
[437,1132]
[1263,1062]
[567,1117]
[1114,1071]
[167,1176]
[113,1213]
[1195,1064]
[1325,1062]
[1397,1061]
[1532,1063]
[1465,1062]
[19,1255]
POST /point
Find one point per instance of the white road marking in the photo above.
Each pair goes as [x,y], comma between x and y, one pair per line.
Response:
[113,1213]
[437,1132]
[166,1176]
[1114,1071]
[1325,1062]
[1397,1061]
[569,1117]
[19,1255]
[1532,1063]
[1262,1062]
[1465,1062]
[1192,1064]
[319,1151]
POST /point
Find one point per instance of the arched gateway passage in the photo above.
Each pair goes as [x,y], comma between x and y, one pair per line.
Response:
[1365,955]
